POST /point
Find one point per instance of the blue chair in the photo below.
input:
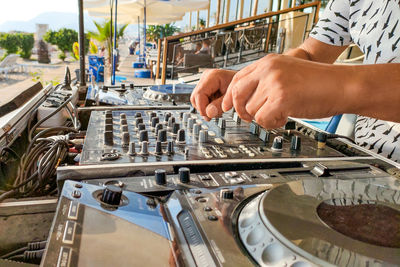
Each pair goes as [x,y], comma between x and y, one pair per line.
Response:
[96,67]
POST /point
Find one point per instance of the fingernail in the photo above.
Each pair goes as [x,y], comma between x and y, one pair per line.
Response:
[212,111]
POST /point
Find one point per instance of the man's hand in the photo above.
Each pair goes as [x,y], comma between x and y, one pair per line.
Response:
[278,86]
[209,92]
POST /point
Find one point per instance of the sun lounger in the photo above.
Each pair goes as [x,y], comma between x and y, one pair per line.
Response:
[9,64]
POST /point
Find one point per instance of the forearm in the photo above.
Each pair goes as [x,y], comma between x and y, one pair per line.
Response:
[372,90]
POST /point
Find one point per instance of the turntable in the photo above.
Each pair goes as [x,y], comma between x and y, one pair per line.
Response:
[323,222]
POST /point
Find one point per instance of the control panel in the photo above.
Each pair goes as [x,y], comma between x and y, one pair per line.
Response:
[132,136]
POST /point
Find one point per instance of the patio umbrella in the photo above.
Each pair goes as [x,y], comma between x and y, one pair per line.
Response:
[153,11]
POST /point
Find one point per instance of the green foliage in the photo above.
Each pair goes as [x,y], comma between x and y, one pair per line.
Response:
[202,23]
[21,43]
[37,76]
[62,56]
[160,31]
[64,40]
[105,34]
[26,44]
[10,42]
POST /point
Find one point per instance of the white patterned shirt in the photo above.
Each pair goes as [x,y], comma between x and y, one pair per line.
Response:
[373,25]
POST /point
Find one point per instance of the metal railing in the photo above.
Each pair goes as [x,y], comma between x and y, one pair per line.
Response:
[233,42]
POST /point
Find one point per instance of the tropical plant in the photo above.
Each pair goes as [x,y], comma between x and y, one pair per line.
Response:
[105,35]
[202,23]
[160,31]
[64,40]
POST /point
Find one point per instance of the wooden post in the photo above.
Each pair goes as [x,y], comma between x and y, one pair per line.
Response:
[255,6]
[227,10]
[158,58]
[271,3]
[241,9]
[198,20]
[190,21]
[208,15]
[317,12]
[164,62]
[268,34]
[218,11]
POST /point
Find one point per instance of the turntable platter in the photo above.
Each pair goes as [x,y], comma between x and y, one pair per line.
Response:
[324,222]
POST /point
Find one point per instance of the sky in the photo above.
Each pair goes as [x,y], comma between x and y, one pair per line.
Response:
[27,9]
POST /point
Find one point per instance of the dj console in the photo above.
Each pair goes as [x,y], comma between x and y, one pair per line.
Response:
[157,185]
[142,95]
[319,214]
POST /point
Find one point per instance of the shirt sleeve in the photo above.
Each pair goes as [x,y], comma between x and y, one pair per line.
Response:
[333,25]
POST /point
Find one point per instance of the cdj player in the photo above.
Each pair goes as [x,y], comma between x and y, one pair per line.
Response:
[317,214]
[142,95]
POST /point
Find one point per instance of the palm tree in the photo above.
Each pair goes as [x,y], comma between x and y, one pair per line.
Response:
[156,32]
[105,35]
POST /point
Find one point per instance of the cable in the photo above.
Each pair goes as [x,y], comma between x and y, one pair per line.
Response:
[14,252]
[10,150]
[47,117]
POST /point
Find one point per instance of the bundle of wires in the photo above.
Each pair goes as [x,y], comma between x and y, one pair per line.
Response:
[45,152]
[38,165]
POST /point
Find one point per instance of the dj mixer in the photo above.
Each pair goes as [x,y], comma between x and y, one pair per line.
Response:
[139,95]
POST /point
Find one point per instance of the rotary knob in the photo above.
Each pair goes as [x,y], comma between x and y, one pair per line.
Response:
[138,121]
[160,176]
[111,195]
[185,118]
[167,116]
[226,194]
[131,86]
[158,149]
[175,128]
[181,136]
[203,136]
[162,135]
[277,144]
[141,127]
[154,121]
[122,116]
[138,115]
[171,121]
[184,175]
[123,86]
[124,121]
[196,129]
[158,127]
[143,136]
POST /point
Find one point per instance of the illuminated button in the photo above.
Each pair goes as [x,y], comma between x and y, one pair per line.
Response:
[64,257]
[234,150]
[251,154]
[213,218]
[69,232]
[211,133]
[73,210]
[207,156]
[231,174]
[218,140]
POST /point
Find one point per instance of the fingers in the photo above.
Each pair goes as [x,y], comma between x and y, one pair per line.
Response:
[227,103]
[214,109]
[271,115]
[256,101]
[239,92]
[213,84]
